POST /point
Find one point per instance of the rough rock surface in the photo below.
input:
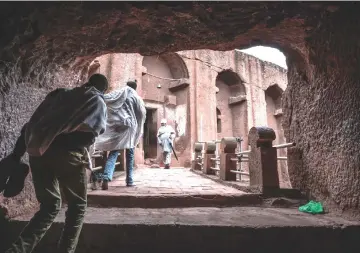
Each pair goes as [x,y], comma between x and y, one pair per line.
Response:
[319,39]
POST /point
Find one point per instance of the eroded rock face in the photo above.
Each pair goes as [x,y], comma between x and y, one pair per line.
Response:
[16,108]
[322,118]
[320,41]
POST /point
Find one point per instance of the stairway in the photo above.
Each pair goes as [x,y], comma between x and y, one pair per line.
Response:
[205,229]
[179,211]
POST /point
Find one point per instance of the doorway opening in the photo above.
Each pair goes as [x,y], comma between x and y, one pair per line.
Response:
[150,131]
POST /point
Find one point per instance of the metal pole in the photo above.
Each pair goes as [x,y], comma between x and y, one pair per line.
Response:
[240,164]
[285,145]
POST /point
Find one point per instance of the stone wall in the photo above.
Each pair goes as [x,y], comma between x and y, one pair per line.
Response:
[322,115]
[16,108]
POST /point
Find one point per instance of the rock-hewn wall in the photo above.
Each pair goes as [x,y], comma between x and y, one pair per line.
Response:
[323,116]
[16,108]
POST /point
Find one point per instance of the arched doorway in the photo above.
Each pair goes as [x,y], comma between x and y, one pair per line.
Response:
[165,92]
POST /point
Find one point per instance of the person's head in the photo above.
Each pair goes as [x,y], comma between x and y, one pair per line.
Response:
[163,122]
[98,81]
[132,84]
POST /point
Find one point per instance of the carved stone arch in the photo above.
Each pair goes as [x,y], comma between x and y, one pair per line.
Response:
[176,67]
[176,64]
[233,81]
[275,93]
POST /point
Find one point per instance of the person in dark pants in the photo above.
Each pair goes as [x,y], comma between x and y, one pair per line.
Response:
[63,164]
[127,119]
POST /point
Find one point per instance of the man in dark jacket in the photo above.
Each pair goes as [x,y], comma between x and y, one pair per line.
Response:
[63,164]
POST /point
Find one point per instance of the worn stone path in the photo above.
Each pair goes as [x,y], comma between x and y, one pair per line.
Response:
[156,181]
[210,216]
[177,187]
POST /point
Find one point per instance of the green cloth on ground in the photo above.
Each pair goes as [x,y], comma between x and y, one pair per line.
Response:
[312,207]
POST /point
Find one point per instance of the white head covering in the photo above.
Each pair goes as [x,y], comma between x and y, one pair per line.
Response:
[163,121]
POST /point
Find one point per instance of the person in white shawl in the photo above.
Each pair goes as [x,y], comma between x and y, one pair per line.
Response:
[166,135]
[126,117]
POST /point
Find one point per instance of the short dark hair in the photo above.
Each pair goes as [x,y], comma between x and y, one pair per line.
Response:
[98,81]
[132,84]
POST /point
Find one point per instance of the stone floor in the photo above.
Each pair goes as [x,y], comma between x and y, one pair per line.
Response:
[156,181]
[209,216]
[160,188]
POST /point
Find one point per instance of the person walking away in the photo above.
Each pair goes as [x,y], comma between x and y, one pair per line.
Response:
[126,118]
[165,136]
[56,137]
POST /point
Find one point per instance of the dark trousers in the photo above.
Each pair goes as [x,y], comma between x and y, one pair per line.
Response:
[49,172]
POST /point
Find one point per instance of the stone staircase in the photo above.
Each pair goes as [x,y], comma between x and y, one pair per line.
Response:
[180,211]
[206,229]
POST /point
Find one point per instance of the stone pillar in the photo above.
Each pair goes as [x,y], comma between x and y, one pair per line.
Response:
[228,147]
[209,152]
[196,162]
[263,159]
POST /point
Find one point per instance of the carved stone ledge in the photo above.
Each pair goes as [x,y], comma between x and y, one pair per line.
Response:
[237,100]
[179,85]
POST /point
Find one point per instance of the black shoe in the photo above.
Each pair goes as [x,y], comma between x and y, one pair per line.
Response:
[105,185]
[130,185]
[167,166]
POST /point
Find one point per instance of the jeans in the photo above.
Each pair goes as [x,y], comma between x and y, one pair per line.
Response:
[110,165]
[129,166]
[49,172]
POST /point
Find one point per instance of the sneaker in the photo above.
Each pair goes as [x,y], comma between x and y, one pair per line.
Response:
[167,166]
[105,185]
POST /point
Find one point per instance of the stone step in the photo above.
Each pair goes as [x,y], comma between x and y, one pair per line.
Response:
[159,188]
[235,229]
[112,199]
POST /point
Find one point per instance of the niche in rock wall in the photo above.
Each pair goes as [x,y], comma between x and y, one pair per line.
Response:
[164,74]
[231,102]
[273,96]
